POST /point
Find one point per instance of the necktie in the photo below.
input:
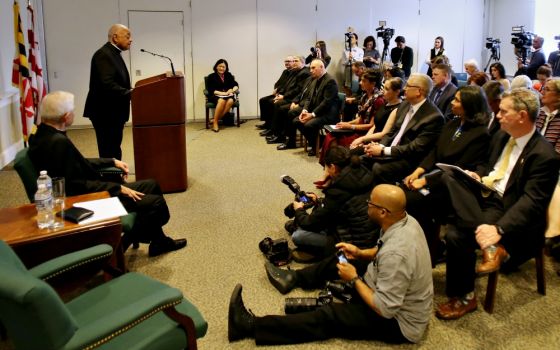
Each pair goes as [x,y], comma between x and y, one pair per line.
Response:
[406,120]
[437,96]
[499,174]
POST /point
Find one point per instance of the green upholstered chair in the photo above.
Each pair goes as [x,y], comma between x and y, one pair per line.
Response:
[28,175]
[132,311]
[211,105]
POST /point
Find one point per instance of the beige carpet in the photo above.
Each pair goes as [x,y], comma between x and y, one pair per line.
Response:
[235,199]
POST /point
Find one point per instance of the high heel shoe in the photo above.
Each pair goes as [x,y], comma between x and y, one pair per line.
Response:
[319,182]
[215,129]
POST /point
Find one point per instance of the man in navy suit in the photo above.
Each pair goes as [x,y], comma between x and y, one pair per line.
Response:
[108,100]
[444,90]
[508,223]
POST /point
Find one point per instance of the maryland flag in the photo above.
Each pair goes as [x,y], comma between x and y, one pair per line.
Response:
[21,77]
[38,87]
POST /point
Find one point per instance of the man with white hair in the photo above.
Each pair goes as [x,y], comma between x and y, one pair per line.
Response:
[51,150]
[471,67]
[108,99]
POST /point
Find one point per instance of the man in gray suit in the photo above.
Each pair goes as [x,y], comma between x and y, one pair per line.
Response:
[321,106]
[444,90]
[411,138]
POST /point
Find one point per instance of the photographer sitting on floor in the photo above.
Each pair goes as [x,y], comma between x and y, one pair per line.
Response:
[342,213]
[394,296]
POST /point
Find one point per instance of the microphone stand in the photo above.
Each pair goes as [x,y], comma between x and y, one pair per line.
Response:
[162,56]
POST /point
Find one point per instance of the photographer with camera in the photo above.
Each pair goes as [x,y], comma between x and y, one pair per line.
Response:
[392,285]
[319,51]
[536,59]
[338,215]
[402,56]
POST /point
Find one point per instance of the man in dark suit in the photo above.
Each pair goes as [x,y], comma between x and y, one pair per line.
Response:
[508,223]
[266,103]
[536,60]
[321,106]
[416,130]
[444,90]
[494,91]
[51,150]
[108,99]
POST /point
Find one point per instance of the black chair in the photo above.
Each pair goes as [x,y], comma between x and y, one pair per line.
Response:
[211,105]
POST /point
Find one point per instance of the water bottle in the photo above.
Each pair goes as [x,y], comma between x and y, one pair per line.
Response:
[44,205]
[44,179]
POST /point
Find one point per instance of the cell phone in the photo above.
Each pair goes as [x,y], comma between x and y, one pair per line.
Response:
[303,199]
[341,257]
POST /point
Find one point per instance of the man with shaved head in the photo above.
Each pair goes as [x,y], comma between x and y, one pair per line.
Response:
[391,287]
[108,99]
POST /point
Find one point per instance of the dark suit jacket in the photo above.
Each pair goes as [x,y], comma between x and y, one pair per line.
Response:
[323,99]
[295,84]
[281,82]
[420,135]
[51,150]
[404,56]
[530,185]
[444,102]
[109,86]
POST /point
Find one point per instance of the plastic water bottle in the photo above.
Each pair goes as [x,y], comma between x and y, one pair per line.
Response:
[44,205]
[44,179]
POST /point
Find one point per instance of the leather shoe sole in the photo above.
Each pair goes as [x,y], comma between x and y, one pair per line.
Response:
[455,308]
[265,133]
[491,261]
[284,146]
[283,280]
[166,245]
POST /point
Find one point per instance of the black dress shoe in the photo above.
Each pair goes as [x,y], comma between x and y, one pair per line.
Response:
[284,146]
[270,137]
[265,133]
[283,280]
[551,245]
[276,139]
[166,245]
[261,126]
[311,153]
[241,323]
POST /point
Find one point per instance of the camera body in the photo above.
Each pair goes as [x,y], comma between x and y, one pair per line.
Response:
[300,196]
[275,250]
[522,41]
[297,305]
[492,43]
[385,33]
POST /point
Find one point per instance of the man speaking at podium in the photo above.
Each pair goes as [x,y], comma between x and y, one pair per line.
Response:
[108,100]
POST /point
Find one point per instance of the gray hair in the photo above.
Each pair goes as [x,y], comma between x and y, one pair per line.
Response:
[521,81]
[524,100]
[55,105]
[472,63]
[425,82]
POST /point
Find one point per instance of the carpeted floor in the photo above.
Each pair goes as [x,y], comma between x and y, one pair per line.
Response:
[235,199]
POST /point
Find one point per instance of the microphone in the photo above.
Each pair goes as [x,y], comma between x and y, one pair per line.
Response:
[162,56]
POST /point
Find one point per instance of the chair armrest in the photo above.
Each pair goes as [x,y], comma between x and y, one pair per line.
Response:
[69,262]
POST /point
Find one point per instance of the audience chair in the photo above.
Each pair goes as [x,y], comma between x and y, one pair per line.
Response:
[132,311]
[28,175]
[493,283]
[210,105]
[461,79]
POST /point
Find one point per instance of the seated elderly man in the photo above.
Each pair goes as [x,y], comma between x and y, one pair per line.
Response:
[51,150]
[507,223]
[392,287]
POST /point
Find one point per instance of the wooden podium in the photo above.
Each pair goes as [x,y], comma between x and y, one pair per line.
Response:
[158,131]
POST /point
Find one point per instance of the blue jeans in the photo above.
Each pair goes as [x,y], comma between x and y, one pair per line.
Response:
[302,237]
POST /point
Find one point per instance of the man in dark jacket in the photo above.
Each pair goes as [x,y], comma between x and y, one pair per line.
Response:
[108,100]
[51,150]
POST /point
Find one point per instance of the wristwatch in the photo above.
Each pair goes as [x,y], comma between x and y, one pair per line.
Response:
[353,281]
[500,230]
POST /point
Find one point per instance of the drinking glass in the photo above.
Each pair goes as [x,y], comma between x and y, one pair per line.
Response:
[59,195]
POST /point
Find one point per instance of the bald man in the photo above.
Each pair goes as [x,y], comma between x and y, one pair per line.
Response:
[391,301]
[108,99]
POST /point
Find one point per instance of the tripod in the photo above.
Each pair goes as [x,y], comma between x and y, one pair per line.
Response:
[495,55]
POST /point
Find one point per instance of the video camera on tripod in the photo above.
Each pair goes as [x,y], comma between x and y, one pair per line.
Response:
[522,41]
[385,34]
[494,46]
[301,196]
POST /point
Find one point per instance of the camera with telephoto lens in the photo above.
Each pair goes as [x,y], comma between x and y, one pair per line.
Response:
[313,50]
[340,290]
[297,305]
[301,196]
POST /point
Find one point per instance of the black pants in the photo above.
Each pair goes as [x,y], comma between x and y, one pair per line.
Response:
[310,130]
[280,118]
[152,211]
[266,105]
[472,210]
[351,321]
[109,135]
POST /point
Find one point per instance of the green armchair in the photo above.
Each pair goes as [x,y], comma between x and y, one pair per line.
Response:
[132,311]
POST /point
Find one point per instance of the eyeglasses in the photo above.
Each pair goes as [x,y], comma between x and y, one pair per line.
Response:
[371,204]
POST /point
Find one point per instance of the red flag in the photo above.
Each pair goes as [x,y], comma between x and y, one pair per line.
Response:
[21,78]
[38,86]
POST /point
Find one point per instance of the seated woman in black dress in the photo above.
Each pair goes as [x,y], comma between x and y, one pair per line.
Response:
[222,88]
[464,142]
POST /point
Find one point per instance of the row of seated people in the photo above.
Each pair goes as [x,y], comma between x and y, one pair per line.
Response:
[518,167]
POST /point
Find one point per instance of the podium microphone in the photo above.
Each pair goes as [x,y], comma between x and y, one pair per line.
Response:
[162,56]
